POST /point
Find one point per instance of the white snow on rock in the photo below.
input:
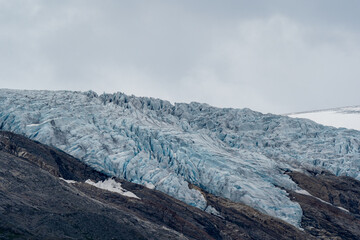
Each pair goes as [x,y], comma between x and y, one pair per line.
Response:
[149,185]
[238,154]
[341,208]
[68,181]
[112,186]
[347,117]
[211,210]
[304,192]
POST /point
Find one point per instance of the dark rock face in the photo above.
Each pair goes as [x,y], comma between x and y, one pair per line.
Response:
[339,191]
[54,161]
[251,223]
[332,212]
[36,204]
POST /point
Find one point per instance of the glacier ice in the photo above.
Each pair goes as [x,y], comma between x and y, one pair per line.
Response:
[235,153]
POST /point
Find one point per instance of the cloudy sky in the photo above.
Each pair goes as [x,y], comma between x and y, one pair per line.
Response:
[270,56]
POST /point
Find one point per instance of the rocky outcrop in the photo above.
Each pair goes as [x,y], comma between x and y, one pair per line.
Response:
[330,204]
[339,191]
[35,204]
[252,224]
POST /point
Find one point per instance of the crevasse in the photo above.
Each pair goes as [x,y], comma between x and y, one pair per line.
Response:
[235,153]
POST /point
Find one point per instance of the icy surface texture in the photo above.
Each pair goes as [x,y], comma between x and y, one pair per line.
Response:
[235,153]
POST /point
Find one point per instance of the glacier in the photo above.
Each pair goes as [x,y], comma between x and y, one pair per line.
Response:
[238,154]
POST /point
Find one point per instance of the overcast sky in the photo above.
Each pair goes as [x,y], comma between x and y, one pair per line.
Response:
[270,56]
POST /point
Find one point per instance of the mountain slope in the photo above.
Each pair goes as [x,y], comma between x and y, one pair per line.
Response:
[36,202]
[346,117]
[237,154]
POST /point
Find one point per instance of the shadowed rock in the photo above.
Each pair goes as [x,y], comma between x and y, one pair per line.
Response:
[331,209]
[35,203]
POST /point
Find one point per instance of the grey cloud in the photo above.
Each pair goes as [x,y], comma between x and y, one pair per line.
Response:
[278,56]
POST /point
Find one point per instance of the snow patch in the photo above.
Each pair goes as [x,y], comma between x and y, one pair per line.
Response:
[211,210]
[68,181]
[343,209]
[149,185]
[304,192]
[348,117]
[112,186]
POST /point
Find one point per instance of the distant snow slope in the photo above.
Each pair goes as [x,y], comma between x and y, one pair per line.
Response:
[235,153]
[347,117]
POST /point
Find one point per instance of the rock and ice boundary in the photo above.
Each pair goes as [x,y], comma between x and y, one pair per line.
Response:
[235,153]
